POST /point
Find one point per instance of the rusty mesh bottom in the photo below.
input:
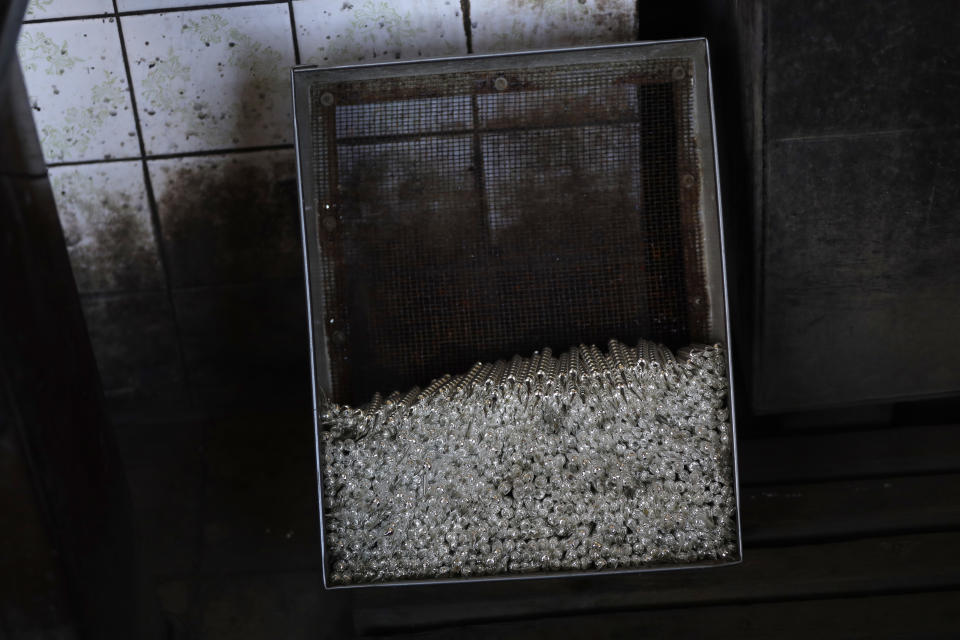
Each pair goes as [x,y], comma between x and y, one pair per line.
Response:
[476,215]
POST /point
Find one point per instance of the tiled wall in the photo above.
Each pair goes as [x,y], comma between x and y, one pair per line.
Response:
[166,125]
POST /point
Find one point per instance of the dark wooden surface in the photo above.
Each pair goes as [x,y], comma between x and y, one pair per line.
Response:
[846,530]
[921,615]
[847,533]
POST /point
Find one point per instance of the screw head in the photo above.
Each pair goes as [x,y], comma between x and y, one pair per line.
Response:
[679,73]
[500,83]
[326,99]
[687,181]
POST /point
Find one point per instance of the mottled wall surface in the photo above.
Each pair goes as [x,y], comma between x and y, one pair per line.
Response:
[166,126]
[859,294]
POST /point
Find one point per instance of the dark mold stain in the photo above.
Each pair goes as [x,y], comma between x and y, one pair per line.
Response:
[121,255]
[231,220]
[134,341]
[246,340]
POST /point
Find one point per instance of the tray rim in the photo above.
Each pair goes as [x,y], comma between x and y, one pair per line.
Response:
[715,257]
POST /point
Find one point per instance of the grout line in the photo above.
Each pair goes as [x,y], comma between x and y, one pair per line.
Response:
[864,134]
[146,12]
[455,133]
[760,215]
[89,16]
[23,175]
[74,163]
[460,627]
[263,282]
[202,7]
[769,483]
[196,603]
[478,165]
[637,7]
[174,156]
[154,212]
[293,32]
[94,296]
[467,27]
[195,288]
[218,152]
[873,533]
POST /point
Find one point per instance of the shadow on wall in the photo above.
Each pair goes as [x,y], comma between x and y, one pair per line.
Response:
[232,328]
[192,279]
[229,238]
[230,235]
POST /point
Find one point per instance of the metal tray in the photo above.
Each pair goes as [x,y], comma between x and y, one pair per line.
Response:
[470,208]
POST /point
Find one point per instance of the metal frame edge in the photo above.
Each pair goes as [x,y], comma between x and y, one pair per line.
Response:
[301,109]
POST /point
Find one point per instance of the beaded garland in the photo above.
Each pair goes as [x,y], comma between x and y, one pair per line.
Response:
[584,462]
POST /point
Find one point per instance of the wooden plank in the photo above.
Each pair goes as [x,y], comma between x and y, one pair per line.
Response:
[874,565]
[777,514]
[916,615]
[850,454]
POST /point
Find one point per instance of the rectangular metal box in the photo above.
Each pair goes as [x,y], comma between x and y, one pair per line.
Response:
[471,208]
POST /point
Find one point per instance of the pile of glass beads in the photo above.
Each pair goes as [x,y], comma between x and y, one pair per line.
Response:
[588,461]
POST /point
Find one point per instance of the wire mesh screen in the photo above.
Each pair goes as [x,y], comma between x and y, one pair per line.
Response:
[475,215]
